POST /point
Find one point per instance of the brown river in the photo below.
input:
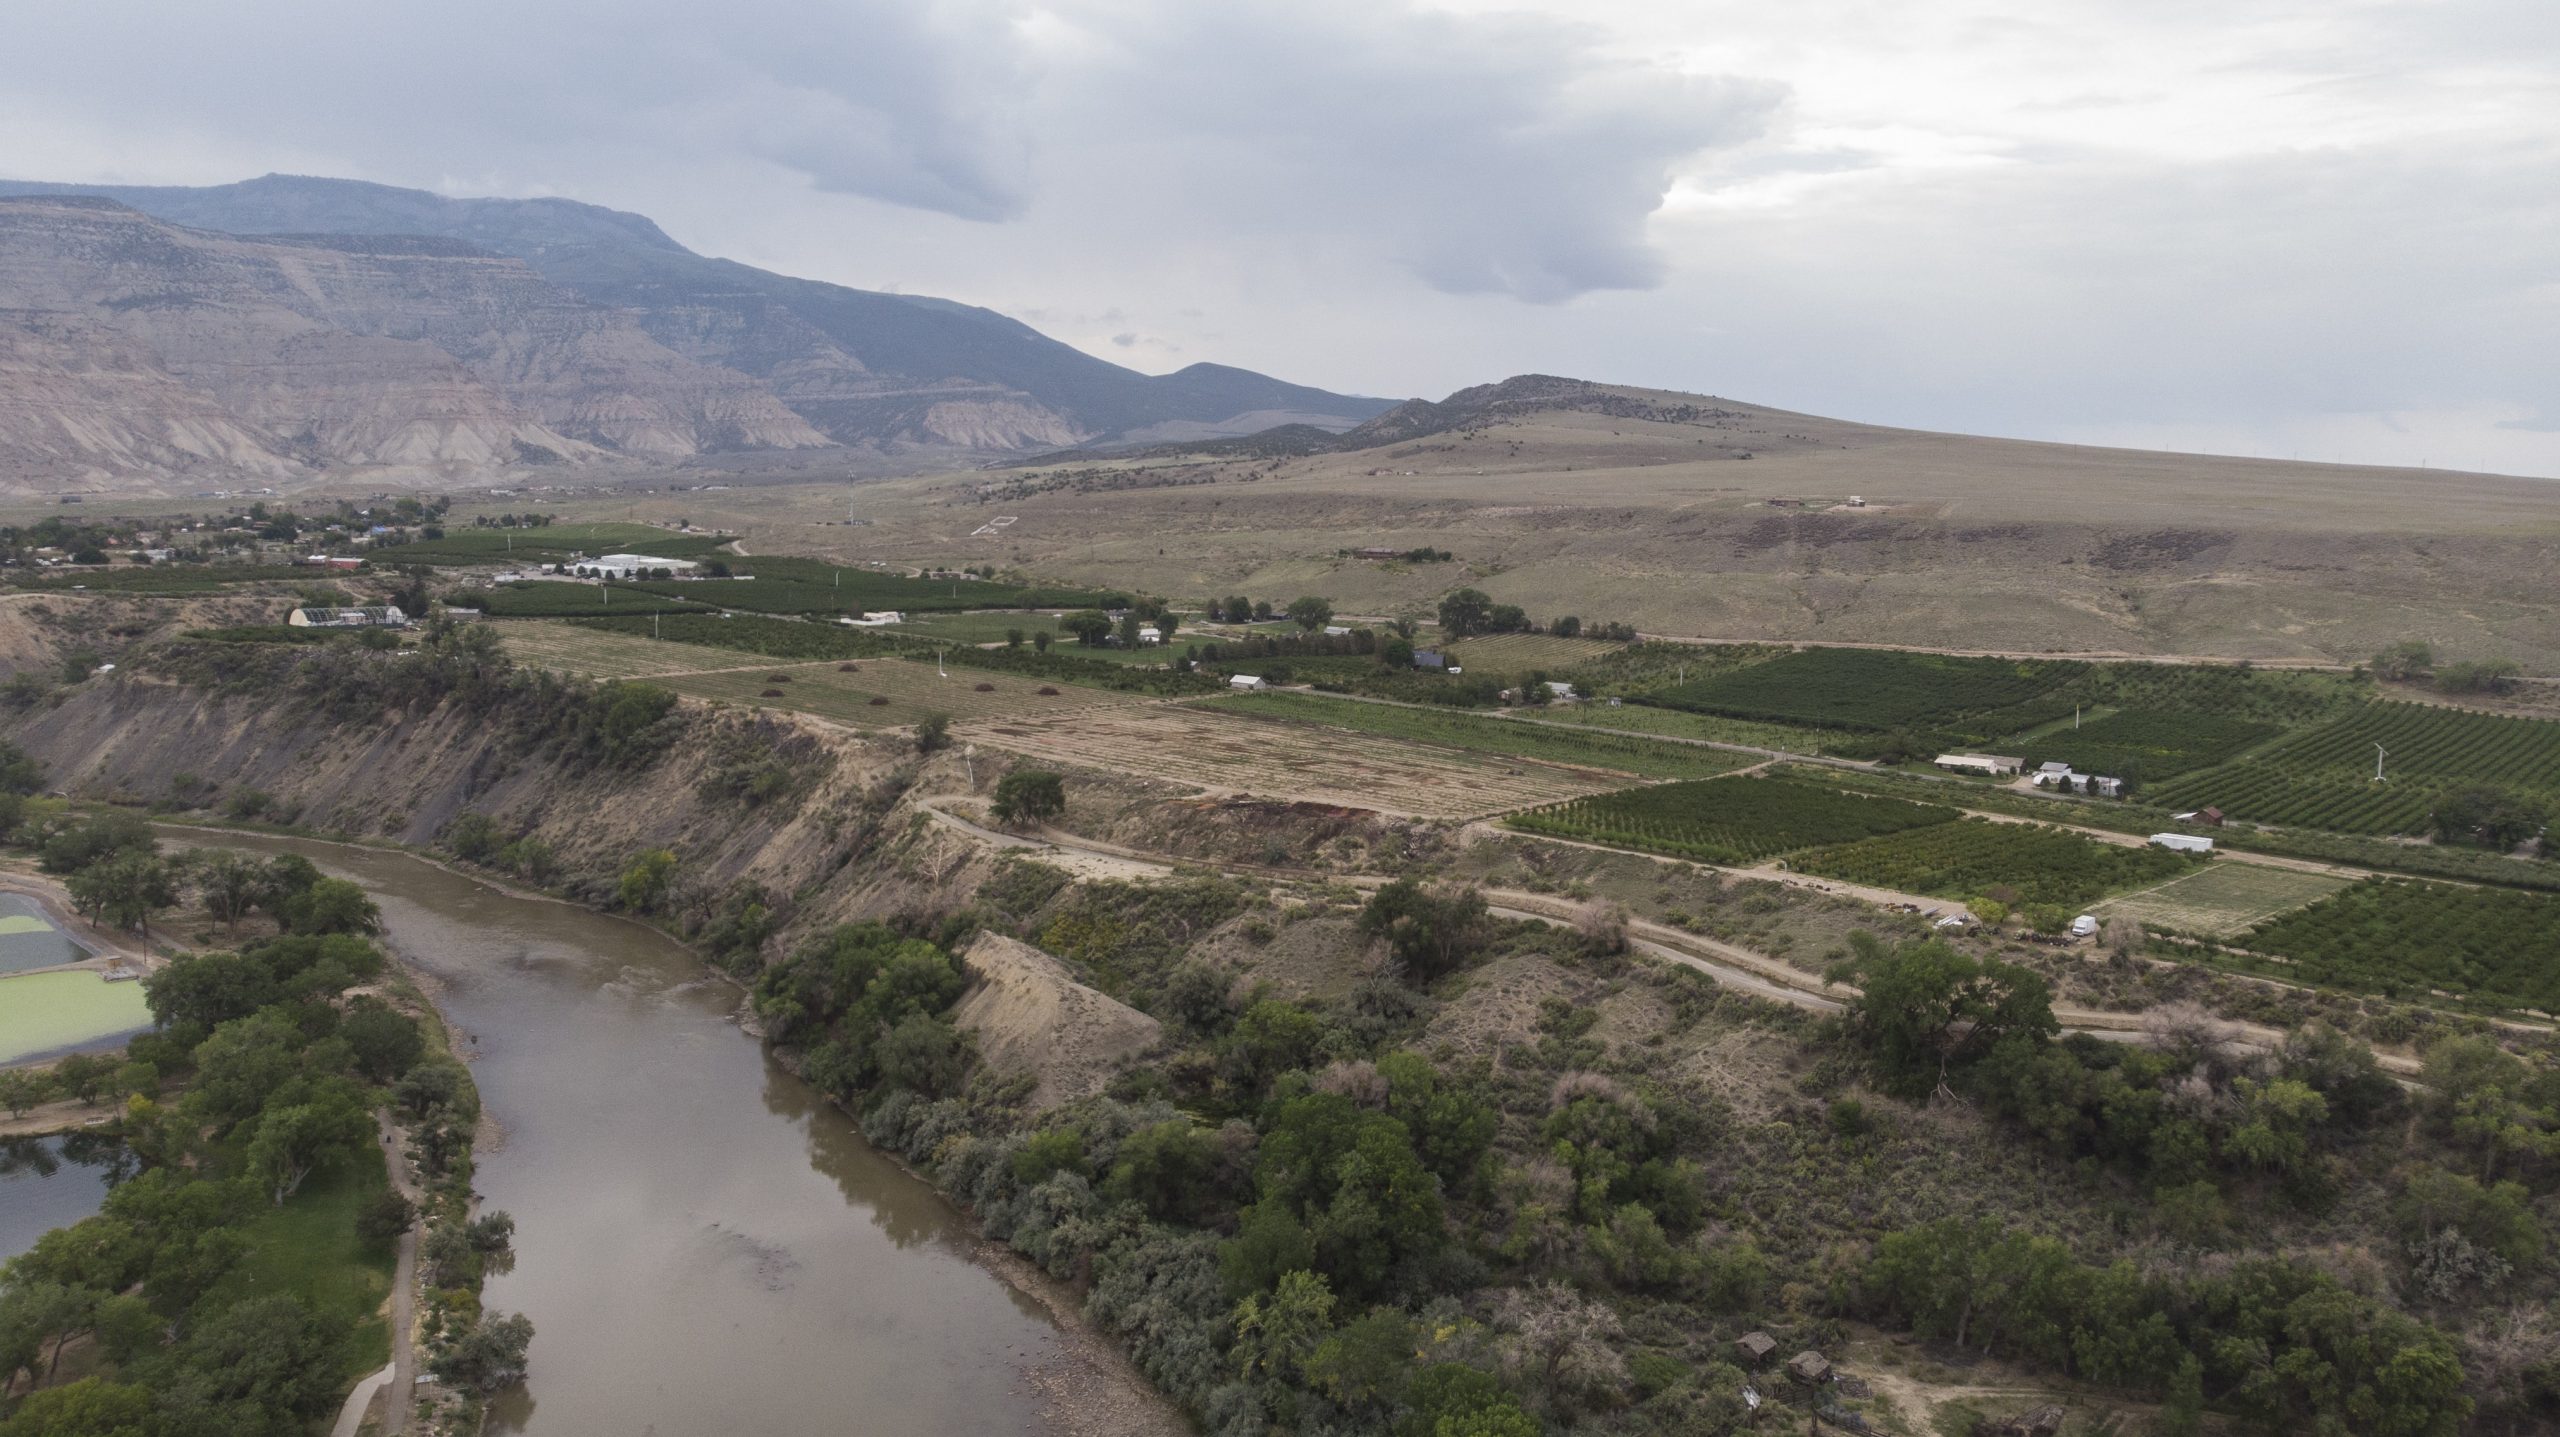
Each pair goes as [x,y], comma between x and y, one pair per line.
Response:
[703,1245]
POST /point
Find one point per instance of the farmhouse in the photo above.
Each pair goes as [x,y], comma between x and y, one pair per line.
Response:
[1245,683]
[1989,765]
[1561,692]
[1151,636]
[2067,779]
[386,617]
[326,561]
[875,619]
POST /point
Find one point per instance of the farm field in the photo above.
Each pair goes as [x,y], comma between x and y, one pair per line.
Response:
[1681,723]
[2396,938]
[1519,653]
[1186,744]
[807,641]
[2146,745]
[911,691]
[1878,689]
[983,626]
[602,654]
[2323,777]
[2284,698]
[551,598]
[1975,856]
[1733,821]
[1643,757]
[553,543]
[161,579]
[2222,900]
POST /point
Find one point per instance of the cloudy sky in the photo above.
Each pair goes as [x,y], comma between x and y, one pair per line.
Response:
[2320,228]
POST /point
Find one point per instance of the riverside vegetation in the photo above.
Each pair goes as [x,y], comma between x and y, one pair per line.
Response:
[230,1285]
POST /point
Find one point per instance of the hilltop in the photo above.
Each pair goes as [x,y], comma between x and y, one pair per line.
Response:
[1710,516]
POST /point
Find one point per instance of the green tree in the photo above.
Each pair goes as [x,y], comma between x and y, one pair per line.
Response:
[19,774]
[1167,1168]
[933,733]
[2403,661]
[474,837]
[90,1407]
[1464,612]
[2491,818]
[1925,1010]
[1275,1334]
[1030,795]
[332,905]
[1429,933]
[387,1044]
[1090,626]
[23,1089]
[295,1138]
[1310,612]
[488,1355]
[644,885]
[1040,640]
[231,884]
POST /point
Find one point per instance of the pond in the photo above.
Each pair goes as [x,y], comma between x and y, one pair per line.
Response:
[29,939]
[45,1014]
[47,1183]
[703,1244]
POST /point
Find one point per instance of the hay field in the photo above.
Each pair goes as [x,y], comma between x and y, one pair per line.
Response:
[1186,745]
[1516,652]
[594,654]
[912,690]
[2223,899]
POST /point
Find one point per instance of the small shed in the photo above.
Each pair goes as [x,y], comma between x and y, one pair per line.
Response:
[1246,683]
[2209,817]
[1431,659]
[1809,1367]
[1755,1348]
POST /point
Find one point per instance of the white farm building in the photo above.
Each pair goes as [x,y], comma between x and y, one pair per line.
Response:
[386,617]
[635,566]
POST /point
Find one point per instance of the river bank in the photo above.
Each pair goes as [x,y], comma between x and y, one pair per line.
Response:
[670,1181]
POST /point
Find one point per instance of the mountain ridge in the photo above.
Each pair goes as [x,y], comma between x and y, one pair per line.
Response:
[869,370]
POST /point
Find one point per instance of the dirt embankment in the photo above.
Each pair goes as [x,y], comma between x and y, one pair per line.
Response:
[840,846]
[1031,1017]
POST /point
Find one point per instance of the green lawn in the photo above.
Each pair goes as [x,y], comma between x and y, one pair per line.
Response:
[309,1248]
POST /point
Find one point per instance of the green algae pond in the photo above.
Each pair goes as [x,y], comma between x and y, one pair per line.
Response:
[42,1014]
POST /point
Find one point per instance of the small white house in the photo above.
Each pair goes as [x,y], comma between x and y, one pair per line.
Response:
[2183,842]
[1561,692]
[1335,631]
[1246,683]
[878,619]
[1150,636]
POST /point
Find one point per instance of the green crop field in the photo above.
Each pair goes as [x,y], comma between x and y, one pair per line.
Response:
[2323,777]
[799,639]
[1648,758]
[785,585]
[2284,698]
[162,579]
[1977,856]
[2400,938]
[2222,899]
[551,544]
[1877,689]
[1659,664]
[554,599]
[1733,821]
[2146,746]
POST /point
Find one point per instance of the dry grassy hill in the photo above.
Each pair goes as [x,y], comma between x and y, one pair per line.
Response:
[1640,505]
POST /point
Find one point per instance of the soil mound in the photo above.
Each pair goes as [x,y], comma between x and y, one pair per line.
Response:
[1030,1015]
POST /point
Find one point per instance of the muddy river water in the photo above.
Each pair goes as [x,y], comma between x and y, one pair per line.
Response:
[704,1247]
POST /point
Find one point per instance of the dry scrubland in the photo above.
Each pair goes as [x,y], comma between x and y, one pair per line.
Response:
[1967,543]
[1182,745]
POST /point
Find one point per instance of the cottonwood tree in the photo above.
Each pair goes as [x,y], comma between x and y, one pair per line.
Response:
[1925,1010]
[1029,795]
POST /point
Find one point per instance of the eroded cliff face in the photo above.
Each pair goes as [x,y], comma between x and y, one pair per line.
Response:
[138,350]
[848,842]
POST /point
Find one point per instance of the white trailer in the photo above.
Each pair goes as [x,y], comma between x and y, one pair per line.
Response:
[2183,842]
